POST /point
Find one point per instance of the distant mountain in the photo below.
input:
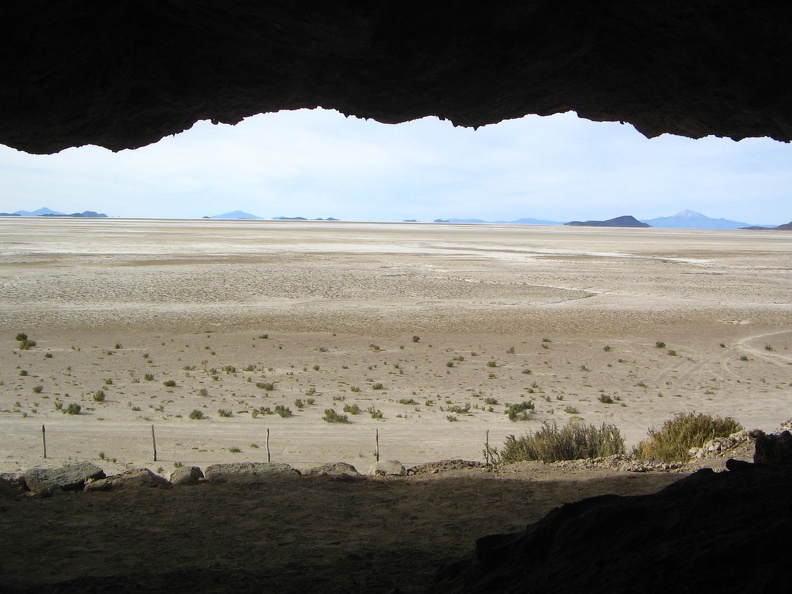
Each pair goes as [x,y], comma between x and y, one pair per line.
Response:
[522,221]
[784,227]
[625,221]
[236,214]
[289,219]
[88,214]
[46,212]
[8,214]
[38,213]
[688,219]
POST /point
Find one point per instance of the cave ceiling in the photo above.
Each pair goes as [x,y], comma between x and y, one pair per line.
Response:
[124,74]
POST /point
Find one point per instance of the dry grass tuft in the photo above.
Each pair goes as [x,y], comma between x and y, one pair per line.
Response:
[673,440]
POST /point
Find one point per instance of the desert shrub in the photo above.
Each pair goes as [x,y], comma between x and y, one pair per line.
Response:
[268,386]
[99,396]
[416,338]
[352,409]
[492,363]
[169,383]
[234,450]
[673,440]
[461,410]
[223,412]
[283,411]
[73,409]
[378,386]
[196,415]
[20,337]
[571,410]
[574,441]
[605,399]
[451,418]
[331,416]
[660,344]
[148,377]
[26,344]
[519,411]
[490,400]
[38,389]
[407,401]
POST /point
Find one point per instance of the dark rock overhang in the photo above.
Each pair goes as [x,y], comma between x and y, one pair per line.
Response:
[124,74]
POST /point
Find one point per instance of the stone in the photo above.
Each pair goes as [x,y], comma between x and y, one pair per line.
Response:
[337,470]
[249,473]
[709,532]
[775,449]
[186,475]
[133,478]
[67,478]
[387,468]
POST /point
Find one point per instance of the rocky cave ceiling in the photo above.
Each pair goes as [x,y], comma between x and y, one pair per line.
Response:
[124,74]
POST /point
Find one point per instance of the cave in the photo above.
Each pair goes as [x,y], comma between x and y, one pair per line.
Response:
[124,74]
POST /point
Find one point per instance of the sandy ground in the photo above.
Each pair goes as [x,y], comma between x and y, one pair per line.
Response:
[326,314]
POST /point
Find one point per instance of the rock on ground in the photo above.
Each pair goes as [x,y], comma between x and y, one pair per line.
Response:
[387,468]
[337,470]
[186,475]
[247,473]
[67,478]
[136,477]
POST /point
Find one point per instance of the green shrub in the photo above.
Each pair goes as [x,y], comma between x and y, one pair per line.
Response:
[416,338]
[148,377]
[169,383]
[283,411]
[25,345]
[407,401]
[99,396]
[574,441]
[660,344]
[461,410]
[492,363]
[331,416]
[605,399]
[224,412]
[196,415]
[352,409]
[378,386]
[673,440]
[38,389]
[268,386]
[20,337]
[73,409]
[571,410]
[519,411]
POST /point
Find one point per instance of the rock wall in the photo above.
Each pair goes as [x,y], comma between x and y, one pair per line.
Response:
[124,74]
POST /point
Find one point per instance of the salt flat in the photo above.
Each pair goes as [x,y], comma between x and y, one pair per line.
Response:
[327,311]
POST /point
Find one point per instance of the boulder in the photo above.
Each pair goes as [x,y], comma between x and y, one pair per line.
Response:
[67,478]
[186,475]
[249,473]
[709,532]
[133,478]
[11,485]
[774,449]
[387,468]
[338,471]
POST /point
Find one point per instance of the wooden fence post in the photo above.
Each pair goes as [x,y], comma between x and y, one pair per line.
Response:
[44,439]
[269,458]
[154,443]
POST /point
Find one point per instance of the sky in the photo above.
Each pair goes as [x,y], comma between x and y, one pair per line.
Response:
[320,164]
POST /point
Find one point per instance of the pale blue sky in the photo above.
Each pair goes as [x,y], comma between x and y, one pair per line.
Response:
[320,164]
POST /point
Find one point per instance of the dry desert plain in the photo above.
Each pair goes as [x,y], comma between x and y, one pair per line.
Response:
[433,328]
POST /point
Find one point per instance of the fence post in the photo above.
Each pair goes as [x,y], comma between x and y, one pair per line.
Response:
[487,450]
[44,439]
[376,450]
[269,458]
[154,443]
